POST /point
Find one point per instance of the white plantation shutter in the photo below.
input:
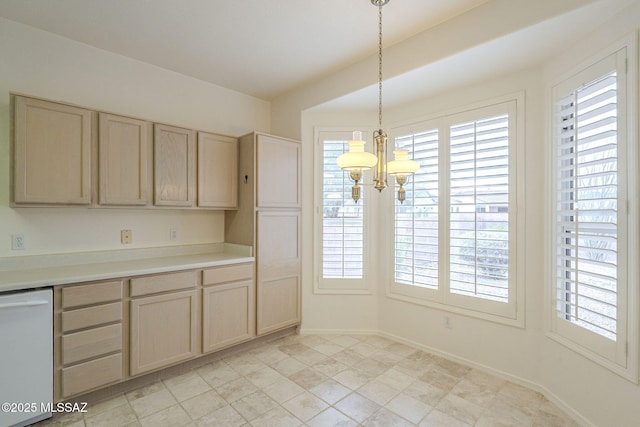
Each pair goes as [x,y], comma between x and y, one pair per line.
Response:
[593,173]
[416,220]
[342,218]
[479,208]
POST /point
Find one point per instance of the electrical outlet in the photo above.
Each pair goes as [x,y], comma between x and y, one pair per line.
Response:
[126,236]
[17,242]
[173,234]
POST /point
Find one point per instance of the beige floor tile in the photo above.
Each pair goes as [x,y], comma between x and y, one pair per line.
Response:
[386,418]
[357,407]
[373,367]
[270,355]
[485,380]
[171,417]
[364,349]
[451,368]
[310,357]
[225,416]
[330,391]
[331,417]
[150,403]
[328,348]
[377,341]
[293,348]
[461,409]
[396,379]
[254,405]
[312,340]
[344,340]
[400,349]
[473,392]
[522,394]
[236,389]
[378,392]
[439,379]
[305,406]
[74,419]
[244,363]
[118,416]
[105,405]
[277,417]
[203,404]
[425,392]
[308,378]
[186,386]
[437,418]
[289,366]
[329,367]
[409,408]
[348,357]
[352,378]
[264,377]
[218,373]
[283,390]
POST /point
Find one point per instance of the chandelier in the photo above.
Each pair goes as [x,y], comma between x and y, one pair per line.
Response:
[357,159]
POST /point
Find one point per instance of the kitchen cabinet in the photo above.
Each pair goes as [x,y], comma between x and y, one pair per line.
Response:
[217,171]
[173,173]
[163,326]
[268,218]
[88,334]
[124,152]
[51,153]
[228,306]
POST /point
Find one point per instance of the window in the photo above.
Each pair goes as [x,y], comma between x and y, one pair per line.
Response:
[340,221]
[455,235]
[590,270]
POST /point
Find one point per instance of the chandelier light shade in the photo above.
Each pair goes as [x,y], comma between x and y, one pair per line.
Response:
[357,159]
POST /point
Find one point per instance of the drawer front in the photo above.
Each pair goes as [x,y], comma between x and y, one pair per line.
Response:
[89,375]
[95,293]
[91,316]
[163,283]
[232,273]
[91,343]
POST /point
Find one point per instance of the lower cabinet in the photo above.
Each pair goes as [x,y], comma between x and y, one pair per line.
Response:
[227,306]
[108,332]
[163,327]
[88,337]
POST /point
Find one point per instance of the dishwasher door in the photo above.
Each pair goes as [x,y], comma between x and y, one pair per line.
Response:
[26,357]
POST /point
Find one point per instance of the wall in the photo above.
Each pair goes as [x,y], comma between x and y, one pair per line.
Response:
[591,393]
[52,67]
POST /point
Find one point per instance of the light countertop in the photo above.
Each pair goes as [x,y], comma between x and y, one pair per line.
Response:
[49,270]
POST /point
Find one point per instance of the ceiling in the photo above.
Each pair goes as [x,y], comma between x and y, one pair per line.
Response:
[257,47]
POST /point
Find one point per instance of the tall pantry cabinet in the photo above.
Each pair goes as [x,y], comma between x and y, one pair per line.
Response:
[268,218]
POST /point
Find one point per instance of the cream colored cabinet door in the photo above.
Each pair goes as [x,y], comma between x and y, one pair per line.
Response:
[173,173]
[217,171]
[228,314]
[51,153]
[163,330]
[278,172]
[278,270]
[123,159]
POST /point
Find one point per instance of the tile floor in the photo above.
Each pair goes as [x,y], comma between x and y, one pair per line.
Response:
[326,380]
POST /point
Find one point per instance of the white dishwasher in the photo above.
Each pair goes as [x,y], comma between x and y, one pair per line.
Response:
[26,357]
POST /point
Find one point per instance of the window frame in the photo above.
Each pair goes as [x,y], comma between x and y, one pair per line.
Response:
[345,285]
[511,313]
[620,356]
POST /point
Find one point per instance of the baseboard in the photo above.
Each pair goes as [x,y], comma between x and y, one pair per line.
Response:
[308,331]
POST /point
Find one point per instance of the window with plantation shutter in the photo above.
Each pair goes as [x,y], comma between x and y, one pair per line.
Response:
[455,235]
[590,271]
[341,221]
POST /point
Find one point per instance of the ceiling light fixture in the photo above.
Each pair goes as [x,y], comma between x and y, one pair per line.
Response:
[357,159]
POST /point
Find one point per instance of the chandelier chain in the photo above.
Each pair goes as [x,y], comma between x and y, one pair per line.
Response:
[380,4]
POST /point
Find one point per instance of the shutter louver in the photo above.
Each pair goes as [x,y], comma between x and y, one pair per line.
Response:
[587,207]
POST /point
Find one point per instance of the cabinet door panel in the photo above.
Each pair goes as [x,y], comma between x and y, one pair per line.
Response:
[173,151]
[278,271]
[217,171]
[52,153]
[228,314]
[163,330]
[278,171]
[123,159]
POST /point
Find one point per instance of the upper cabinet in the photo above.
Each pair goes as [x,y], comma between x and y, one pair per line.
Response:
[124,145]
[278,172]
[63,155]
[173,152]
[51,153]
[217,171]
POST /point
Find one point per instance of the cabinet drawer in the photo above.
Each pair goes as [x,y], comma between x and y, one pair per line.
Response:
[91,343]
[163,283]
[89,375]
[225,274]
[91,316]
[95,293]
